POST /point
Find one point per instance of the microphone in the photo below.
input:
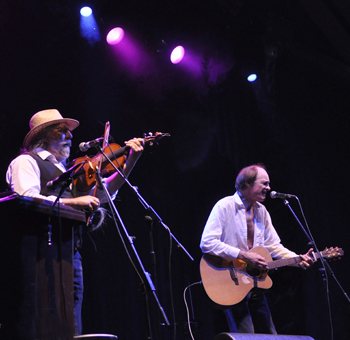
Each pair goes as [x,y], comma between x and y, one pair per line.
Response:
[274,194]
[62,178]
[84,146]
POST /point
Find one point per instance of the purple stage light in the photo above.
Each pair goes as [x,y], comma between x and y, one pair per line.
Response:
[177,54]
[115,36]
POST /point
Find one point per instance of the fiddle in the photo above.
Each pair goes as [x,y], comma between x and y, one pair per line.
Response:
[85,177]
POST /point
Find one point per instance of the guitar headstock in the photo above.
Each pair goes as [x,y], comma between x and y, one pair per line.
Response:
[154,138]
[332,253]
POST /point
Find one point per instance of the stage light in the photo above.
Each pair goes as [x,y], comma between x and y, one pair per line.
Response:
[86,11]
[115,36]
[252,77]
[88,26]
[177,54]
[129,54]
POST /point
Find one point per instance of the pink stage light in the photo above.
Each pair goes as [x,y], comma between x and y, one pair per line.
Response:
[115,36]
[177,54]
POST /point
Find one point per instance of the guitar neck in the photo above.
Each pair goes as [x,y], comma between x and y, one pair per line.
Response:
[326,254]
[283,262]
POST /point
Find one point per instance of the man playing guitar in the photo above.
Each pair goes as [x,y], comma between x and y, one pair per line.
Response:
[237,224]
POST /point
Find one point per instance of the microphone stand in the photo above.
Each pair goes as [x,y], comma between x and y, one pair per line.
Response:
[74,171]
[148,281]
[62,190]
[151,212]
[313,244]
[152,216]
[146,275]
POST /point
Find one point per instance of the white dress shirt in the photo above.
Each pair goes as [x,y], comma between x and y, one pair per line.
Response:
[23,176]
[225,232]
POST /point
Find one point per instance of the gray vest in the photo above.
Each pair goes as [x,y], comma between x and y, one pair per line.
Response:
[49,172]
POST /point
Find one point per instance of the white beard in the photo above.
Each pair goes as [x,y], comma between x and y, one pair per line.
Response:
[65,151]
[60,151]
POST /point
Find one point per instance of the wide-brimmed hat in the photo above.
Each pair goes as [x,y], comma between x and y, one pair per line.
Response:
[43,119]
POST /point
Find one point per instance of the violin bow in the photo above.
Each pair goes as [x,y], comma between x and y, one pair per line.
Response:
[104,144]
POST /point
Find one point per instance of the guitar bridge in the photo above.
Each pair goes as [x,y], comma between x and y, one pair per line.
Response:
[233,273]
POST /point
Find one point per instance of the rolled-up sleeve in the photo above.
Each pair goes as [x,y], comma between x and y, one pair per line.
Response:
[23,177]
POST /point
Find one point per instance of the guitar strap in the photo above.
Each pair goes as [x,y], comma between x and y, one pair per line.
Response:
[250,227]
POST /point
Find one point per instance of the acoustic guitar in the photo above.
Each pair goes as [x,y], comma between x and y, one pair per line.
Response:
[228,282]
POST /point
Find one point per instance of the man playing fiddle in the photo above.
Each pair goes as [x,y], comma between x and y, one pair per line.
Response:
[44,156]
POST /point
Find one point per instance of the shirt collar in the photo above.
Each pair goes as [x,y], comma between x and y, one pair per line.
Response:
[240,205]
[238,200]
[46,155]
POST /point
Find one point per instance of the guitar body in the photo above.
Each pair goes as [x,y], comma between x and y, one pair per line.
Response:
[228,282]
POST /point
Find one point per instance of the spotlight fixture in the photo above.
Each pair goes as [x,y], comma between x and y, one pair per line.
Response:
[86,11]
[115,36]
[88,26]
[177,54]
[252,77]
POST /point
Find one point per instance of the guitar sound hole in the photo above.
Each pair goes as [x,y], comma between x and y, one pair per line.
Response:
[253,271]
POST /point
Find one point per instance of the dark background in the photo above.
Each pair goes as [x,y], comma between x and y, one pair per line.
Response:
[294,120]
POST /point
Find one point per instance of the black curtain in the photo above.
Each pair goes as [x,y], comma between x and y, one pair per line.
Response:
[294,120]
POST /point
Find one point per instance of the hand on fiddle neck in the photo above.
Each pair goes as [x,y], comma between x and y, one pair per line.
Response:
[136,149]
[115,181]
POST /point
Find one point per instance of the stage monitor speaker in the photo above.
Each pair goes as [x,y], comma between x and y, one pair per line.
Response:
[241,336]
[96,336]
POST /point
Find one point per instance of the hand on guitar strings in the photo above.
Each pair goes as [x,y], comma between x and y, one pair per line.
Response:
[253,259]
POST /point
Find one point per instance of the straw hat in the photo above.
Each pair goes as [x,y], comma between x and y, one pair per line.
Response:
[43,119]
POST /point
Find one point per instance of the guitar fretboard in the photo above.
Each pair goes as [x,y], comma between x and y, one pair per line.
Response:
[283,262]
[294,260]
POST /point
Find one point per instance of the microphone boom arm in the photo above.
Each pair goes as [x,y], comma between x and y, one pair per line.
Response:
[144,203]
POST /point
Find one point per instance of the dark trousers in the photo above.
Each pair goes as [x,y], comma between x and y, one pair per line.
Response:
[252,315]
[78,292]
